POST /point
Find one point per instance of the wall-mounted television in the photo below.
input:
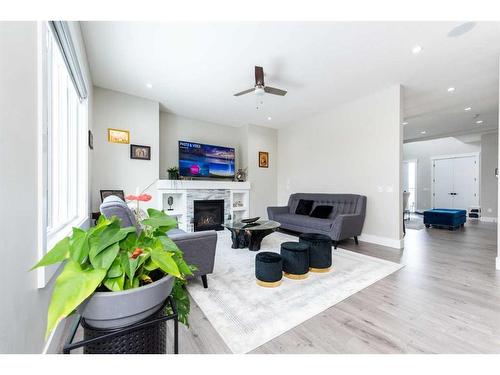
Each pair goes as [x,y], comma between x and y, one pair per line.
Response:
[200,160]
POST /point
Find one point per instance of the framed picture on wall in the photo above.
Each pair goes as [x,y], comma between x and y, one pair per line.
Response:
[263,159]
[140,152]
[118,136]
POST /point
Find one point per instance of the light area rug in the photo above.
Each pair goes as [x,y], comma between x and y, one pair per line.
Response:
[247,315]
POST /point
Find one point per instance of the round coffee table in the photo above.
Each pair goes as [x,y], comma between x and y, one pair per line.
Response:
[250,235]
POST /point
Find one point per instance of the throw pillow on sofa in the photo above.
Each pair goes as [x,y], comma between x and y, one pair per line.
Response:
[321,212]
[304,207]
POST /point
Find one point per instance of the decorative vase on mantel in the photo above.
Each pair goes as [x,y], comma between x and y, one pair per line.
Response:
[241,175]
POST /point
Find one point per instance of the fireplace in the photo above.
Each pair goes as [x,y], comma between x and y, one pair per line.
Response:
[208,214]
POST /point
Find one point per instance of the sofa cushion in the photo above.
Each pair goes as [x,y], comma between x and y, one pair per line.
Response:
[321,212]
[304,221]
[304,207]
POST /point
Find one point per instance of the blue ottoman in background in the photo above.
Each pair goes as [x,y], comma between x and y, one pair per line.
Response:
[445,217]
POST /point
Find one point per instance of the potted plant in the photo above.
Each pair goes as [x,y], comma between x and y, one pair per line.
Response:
[114,276]
[173,173]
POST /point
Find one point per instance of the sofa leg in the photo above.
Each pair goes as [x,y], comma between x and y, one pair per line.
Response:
[335,243]
[356,240]
[204,281]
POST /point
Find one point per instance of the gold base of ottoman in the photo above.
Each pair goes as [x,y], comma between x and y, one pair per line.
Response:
[266,284]
[320,270]
[295,277]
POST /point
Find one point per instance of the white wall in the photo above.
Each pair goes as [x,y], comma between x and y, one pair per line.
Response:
[175,128]
[24,306]
[353,148]
[264,181]
[423,151]
[489,182]
[112,166]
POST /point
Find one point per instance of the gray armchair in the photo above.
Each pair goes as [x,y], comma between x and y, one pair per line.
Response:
[198,247]
[345,221]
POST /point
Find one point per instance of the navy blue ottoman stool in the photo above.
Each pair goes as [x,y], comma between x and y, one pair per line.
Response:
[320,251]
[268,269]
[295,257]
[444,217]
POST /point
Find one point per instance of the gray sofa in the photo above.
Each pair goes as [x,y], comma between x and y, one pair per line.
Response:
[345,221]
[198,247]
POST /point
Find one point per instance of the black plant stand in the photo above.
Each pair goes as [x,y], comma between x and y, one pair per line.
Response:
[108,341]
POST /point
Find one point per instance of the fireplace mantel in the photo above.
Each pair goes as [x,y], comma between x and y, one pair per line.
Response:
[202,184]
[236,196]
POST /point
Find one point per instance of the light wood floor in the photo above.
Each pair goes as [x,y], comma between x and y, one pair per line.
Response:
[445,300]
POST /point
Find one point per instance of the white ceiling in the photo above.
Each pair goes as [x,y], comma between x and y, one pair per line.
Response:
[195,68]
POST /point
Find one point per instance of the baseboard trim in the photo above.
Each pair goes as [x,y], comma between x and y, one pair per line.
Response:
[488,219]
[384,241]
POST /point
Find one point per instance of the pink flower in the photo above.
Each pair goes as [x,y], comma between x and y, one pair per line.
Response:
[138,251]
[131,198]
[144,197]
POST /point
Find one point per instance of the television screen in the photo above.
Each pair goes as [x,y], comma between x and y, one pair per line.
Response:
[199,160]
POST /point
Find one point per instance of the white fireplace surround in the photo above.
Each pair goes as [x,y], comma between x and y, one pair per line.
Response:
[236,196]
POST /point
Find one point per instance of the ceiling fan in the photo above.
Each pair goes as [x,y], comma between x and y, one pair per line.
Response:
[260,88]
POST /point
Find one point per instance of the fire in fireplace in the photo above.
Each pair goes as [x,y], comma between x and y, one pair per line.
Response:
[208,214]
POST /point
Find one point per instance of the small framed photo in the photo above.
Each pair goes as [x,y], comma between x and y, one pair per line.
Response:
[106,193]
[140,152]
[118,136]
[91,140]
[263,159]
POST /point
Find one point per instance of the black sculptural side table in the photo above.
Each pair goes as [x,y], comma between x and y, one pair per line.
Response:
[250,235]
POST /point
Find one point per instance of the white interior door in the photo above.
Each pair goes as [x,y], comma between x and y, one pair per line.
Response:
[443,183]
[455,182]
[464,181]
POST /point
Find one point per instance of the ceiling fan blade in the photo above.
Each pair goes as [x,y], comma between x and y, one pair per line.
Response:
[245,92]
[259,76]
[275,91]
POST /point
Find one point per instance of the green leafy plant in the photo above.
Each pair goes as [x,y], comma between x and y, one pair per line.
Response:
[107,257]
[173,173]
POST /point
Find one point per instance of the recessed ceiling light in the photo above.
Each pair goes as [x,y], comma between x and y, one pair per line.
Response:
[149,85]
[423,132]
[417,49]
[269,118]
[404,123]
[467,108]
[479,121]
[451,89]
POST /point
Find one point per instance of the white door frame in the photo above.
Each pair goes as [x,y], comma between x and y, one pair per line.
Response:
[416,179]
[454,156]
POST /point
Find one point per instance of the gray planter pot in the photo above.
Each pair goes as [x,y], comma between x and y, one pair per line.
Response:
[108,310]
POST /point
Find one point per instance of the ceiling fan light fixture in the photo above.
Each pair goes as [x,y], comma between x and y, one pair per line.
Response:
[259,91]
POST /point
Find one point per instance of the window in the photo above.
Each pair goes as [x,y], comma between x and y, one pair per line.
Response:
[65,145]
